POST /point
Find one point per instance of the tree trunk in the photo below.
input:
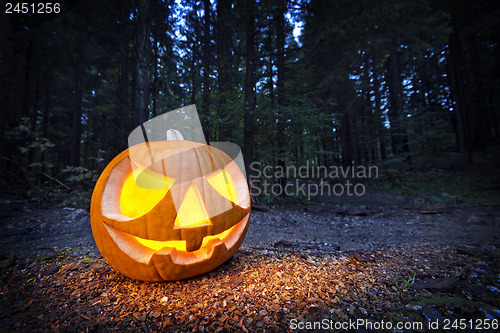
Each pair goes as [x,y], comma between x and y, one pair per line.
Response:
[76,128]
[6,70]
[46,109]
[478,96]
[346,138]
[27,95]
[206,72]
[133,86]
[454,57]
[194,55]
[270,72]
[34,117]
[281,99]
[249,88]
[143,45]
[396,110]
[379,115]
[154,88]
[223,64]
[122,107]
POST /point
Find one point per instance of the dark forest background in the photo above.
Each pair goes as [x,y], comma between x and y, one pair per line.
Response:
[412,86]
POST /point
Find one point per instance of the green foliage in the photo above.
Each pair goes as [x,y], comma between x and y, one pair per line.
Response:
[9,261]
[80,175]
[457,301]
[87,260]
[401,283]
[81,181]
[56,254]
[39,181]
[440,180]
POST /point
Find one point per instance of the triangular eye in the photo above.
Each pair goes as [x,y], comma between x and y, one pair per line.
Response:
[192,212]
[139,196]
[223,183]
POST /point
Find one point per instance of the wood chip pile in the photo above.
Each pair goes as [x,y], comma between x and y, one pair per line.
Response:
[257,290]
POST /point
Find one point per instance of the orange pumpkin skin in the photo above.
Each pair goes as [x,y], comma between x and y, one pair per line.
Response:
[121,239]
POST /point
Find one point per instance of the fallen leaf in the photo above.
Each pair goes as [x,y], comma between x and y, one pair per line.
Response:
[362,256]
[236,280]
[25,306]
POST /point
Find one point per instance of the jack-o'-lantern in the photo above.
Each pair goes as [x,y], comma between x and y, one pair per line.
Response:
[182,215]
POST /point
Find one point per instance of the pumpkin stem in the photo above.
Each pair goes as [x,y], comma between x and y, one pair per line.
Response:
[173,134]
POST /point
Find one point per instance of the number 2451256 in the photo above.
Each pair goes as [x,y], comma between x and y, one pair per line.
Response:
[32,8]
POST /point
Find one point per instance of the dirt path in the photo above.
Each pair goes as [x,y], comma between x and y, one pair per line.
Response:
[296,265]
[372,222]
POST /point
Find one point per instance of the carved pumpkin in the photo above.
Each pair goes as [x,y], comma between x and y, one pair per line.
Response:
[191,217]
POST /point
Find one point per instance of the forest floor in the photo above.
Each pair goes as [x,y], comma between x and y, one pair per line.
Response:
[362,263]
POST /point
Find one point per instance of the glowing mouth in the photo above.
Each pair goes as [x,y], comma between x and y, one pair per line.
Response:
[142,250]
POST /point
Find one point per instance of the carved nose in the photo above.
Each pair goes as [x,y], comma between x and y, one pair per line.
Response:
[192,212]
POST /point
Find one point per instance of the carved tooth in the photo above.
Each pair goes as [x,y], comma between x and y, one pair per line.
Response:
[194,243]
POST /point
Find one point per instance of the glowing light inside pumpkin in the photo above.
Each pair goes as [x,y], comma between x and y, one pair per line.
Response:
[135,200]
[180,245]
[223,184]
[158,245]
[192,212]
